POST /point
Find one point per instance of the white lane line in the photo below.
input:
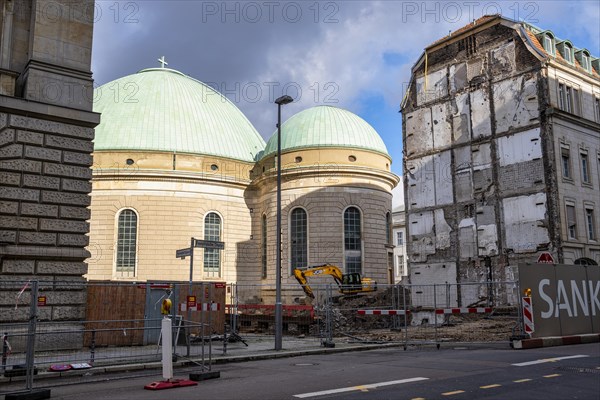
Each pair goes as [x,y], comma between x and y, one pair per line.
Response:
[361,387]
[547,360]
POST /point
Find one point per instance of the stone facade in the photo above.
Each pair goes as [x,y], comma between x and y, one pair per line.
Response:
[46,133]
[482,127]
[172,202]
[171,207]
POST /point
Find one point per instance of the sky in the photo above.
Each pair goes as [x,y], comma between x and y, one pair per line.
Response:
[351,54]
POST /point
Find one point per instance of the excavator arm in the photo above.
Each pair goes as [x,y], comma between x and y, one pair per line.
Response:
[347,284]
[325,269]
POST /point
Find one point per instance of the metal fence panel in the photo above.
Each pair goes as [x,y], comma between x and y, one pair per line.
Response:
[121,323]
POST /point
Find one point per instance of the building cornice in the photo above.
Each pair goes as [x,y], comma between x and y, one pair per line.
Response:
[330,172]
[167,176]
[574,119]
[34,109]
[550,62]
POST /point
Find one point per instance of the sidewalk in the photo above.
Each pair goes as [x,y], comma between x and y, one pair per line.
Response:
[259,348]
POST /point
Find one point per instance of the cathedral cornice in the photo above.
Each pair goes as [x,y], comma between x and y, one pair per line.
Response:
[168,176]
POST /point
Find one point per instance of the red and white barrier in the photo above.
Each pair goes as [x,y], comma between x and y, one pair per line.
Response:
[469,310]
[528,315]
[383,312]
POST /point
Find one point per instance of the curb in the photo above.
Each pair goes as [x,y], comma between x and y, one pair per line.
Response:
[186,363]
[556,341]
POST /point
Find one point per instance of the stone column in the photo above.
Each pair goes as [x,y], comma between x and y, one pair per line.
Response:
[46,131]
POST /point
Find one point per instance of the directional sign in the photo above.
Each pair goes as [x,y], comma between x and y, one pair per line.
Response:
[209,244]
[183,253]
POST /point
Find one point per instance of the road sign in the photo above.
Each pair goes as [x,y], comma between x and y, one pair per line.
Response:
[209,244]
[183,253]
[545,258]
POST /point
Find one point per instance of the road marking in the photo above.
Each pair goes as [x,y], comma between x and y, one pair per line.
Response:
[361,387]
[551,376]
[547,360]
[495,385]
[453,393]
[521,380]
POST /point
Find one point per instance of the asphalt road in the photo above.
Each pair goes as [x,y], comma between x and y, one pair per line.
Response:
[567,372]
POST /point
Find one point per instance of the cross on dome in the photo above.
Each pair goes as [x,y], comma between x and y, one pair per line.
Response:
[162,62]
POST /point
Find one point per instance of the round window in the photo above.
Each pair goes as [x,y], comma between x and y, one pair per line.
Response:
[351,158]
[214,167]
[129,161]
[298,159]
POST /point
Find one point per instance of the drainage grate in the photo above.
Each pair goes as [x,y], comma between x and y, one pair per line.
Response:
[585,370]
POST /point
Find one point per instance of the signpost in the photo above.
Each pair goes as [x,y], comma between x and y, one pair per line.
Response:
[204,244]
[183,253]
[189,252]
[209,244]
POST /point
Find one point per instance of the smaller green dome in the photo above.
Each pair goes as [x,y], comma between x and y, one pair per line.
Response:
[326,126]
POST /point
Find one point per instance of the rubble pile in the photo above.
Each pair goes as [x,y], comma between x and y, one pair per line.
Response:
[345,316]
[383,328]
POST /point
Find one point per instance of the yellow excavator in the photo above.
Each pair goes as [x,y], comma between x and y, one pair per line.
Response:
[347,283]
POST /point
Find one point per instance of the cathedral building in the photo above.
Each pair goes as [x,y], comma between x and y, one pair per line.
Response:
[174,159]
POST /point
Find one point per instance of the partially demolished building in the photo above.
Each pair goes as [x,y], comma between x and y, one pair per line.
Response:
[501,133]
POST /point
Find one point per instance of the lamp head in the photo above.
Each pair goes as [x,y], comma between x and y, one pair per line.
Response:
[284,100]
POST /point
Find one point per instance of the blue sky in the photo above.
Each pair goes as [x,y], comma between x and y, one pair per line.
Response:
[352,54]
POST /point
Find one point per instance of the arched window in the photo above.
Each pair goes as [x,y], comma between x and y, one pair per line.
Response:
[566,50]
[568,53]
[352,240]
[212,257]
[548,43]
[264,246]
[585,261]
[126,243]
[298,238]
[583,56]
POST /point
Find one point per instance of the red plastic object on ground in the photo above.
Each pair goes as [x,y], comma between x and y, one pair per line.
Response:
[170,384]
[59,367]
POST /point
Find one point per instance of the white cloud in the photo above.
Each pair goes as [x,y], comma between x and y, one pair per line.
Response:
[341,61]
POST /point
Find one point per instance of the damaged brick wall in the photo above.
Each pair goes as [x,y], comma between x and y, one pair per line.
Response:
[475,175]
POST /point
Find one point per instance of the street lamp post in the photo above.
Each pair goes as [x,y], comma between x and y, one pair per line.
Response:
[278,308]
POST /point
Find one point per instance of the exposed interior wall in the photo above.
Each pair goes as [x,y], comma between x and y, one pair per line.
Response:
[474,162]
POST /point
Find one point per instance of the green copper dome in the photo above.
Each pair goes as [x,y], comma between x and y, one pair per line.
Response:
[164,110]
[326,126]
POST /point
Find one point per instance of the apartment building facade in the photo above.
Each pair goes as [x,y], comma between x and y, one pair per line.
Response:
[501,129]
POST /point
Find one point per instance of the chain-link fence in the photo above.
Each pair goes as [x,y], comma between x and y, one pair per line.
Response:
[57,326]
[406,314]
